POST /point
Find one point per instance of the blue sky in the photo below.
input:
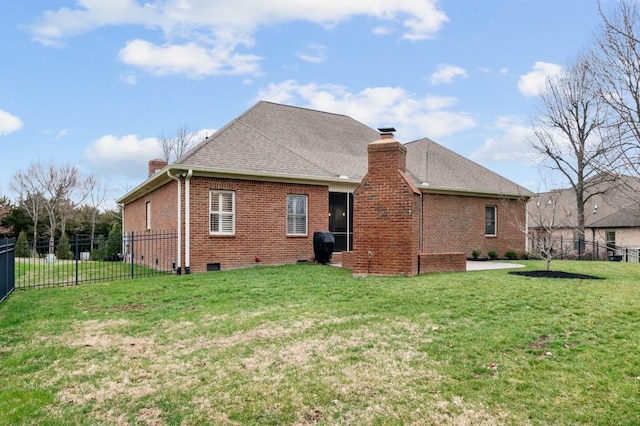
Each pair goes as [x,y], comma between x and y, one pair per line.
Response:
[93,83]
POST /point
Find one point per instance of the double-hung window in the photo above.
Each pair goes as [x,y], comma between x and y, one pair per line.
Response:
[296,214]
[222,210]
[490,216]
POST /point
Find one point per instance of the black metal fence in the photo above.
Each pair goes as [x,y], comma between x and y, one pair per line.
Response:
[7,268]
[562,248]
[81,259]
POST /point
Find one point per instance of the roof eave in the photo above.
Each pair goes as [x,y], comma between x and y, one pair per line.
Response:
[426,188]
[161,177]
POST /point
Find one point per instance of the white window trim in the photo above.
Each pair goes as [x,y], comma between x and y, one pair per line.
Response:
[495,221]
[306,216]
[148,213]
[220,193]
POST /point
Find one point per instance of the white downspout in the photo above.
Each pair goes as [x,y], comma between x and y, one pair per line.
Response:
[187,223]
[179,260]
[526,227]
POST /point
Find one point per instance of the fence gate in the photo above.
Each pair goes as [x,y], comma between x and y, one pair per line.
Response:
[7,267]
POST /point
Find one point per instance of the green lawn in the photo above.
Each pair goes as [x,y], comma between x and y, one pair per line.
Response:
[309,344]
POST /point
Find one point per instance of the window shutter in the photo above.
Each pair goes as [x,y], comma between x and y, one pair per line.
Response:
[222,212]
[226,223]
[297,214]
[227,202]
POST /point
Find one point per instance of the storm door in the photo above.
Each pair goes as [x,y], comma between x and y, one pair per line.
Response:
[341,220]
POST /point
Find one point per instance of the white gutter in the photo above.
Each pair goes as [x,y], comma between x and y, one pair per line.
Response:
[177,179]
[187,223]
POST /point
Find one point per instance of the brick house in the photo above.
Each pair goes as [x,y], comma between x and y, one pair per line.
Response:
[258,189]
[612,219]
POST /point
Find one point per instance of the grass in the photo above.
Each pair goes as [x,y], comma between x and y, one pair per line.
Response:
[308,344]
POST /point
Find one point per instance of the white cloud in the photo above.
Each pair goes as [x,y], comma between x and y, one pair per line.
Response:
[510,142]
[205,34]
[531,83]
[62,133]
[191,59]
[9,123]
[122,156]
[128,156]
[446,73]
[377,107]
[129,78]
[314,53]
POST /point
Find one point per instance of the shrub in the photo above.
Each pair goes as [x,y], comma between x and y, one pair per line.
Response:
[511,255]
[114,243]
[100,248]
[475,253]
[525,255]
[22,245]
[492,254]
[63,251]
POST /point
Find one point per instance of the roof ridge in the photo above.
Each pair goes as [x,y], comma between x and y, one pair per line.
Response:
[303,108]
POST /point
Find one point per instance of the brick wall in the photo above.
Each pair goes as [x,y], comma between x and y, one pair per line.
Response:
[164,217]
[442,262]
[260,225]
[454,223]
[386,215]
[260,221]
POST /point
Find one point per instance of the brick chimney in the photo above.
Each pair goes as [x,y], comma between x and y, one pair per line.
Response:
[156,165]
[387,209]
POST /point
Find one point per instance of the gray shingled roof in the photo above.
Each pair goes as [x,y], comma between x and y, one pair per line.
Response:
[616,202]
[274,140]
[443,169]
[624,218]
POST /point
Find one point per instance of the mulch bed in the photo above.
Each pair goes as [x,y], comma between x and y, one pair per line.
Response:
[554,274]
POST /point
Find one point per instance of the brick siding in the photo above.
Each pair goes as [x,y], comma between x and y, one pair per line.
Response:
[260,221]
[442,262]
[454,223]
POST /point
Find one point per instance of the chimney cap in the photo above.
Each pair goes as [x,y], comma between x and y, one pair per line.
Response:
[386,130]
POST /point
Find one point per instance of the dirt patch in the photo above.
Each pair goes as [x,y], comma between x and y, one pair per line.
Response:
[541,342]
[555,274]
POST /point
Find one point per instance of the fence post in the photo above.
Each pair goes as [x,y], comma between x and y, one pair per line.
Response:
[77,257]
[132,254]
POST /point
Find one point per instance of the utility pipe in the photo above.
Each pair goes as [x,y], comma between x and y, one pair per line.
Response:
[187,222]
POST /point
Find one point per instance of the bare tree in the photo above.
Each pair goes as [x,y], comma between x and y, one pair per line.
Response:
[96,196]
[568,133]
[30,197]
[547,219]
[57,189]
[176,146]
[616,64]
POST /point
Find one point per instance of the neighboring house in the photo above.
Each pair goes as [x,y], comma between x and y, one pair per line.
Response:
[258,189]
[612,220]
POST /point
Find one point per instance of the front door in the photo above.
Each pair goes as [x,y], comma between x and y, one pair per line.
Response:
[341,220]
